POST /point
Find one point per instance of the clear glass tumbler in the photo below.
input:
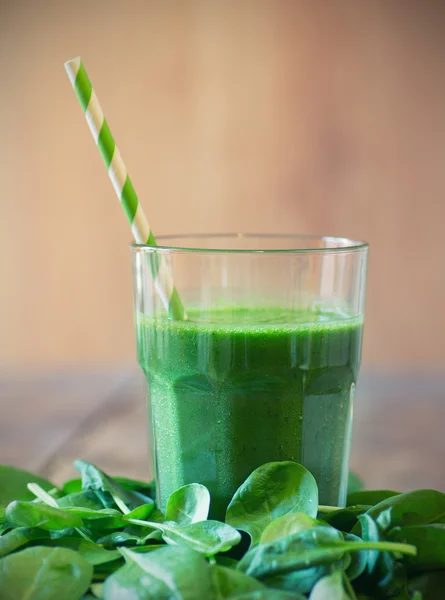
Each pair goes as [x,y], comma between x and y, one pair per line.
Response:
[265,366]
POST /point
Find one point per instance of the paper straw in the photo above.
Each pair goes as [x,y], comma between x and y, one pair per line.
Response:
[123,187]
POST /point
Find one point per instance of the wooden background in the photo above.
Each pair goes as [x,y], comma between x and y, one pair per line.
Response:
[247,115]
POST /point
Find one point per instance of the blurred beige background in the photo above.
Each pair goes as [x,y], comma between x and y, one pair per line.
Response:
[248,115]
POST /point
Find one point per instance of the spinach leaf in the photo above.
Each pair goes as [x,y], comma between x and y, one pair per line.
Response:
[72,486]
[98,521]
[420,507]
[268,595]
[330,588]
[359,560]
[225,561]
[370,533]
[429,541]
[308,548]
[148,548]
[291,552]
[227,582]
[13,484]
[390,576]
[344,519]
[88,506]
[132,485]
[404,594]
[271,491]
[130,582]
[184,572]
[18,537]
[206,537]
[141,512]
[97,588]
[188,505]
[286,525]
[30,514]
[95,479]
[41,573]
[109,517]
[302,550]
[369,497]
[355,482]
[93,553]
[120,538]
[87,499]
[157,516]
[61,533]
[144,530]
[383,571]
[430,585]
[303,580]
[91,513]
[148,489]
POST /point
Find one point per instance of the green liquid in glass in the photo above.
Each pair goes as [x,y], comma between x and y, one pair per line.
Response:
[227,398]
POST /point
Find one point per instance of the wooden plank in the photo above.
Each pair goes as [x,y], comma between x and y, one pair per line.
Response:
[41,412]
[398,439]
[115,440]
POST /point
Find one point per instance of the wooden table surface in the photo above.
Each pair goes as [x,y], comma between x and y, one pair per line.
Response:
[48,420]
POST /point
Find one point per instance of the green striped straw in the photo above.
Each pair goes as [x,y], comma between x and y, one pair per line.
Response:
[122,185]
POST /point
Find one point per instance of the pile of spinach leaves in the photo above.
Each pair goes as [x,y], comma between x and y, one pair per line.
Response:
[103,537]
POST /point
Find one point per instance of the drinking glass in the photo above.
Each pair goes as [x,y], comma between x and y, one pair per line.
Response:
[263,368]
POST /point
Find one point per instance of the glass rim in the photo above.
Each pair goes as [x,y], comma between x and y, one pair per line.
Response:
[349,245]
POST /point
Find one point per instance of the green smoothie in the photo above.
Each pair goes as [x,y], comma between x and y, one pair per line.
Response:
[226,398]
